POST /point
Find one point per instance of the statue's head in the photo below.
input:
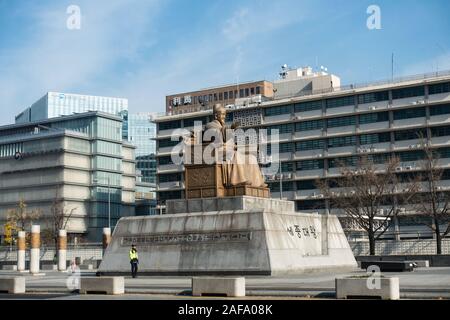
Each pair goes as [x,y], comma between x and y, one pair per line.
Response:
[220,113]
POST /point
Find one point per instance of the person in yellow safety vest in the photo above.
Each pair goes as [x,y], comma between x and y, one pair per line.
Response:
[134,261]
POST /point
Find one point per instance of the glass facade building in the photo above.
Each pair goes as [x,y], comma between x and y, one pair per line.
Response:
[80,160]
[141,133]
[57,104]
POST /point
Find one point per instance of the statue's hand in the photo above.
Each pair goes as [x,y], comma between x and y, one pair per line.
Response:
[234,125]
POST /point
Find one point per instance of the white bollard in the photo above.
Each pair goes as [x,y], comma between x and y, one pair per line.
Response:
[106,238]
[21,246]
[62,250]
[35,248]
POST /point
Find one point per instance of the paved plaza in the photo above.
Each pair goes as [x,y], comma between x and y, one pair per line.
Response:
[422,283]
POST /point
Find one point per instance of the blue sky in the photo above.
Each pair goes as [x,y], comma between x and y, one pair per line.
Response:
[145,49]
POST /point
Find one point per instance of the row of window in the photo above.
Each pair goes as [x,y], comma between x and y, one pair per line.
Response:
[320,124]
[362,98]
[364,139]
[218,96]
[363,119]
[312,184]
[317,164]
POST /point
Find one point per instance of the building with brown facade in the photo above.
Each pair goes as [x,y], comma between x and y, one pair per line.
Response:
[204,99]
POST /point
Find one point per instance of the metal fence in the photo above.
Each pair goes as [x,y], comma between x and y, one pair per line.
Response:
[359,248]
[90,251]
[402,247]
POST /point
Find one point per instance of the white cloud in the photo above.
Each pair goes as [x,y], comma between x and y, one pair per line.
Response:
[55,58]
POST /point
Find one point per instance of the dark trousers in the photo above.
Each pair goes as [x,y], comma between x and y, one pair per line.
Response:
[134,268]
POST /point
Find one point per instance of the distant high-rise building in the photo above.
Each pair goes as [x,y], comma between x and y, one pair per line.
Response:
[141,133]
[57,104]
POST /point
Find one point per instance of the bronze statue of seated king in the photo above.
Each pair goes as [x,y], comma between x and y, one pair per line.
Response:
[218,167]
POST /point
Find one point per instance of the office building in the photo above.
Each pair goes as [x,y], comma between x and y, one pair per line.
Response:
[77,160]
[322,123]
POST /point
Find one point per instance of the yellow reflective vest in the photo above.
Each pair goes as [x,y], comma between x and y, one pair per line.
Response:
[133,255]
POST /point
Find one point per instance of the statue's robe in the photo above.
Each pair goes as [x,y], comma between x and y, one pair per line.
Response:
[238,168]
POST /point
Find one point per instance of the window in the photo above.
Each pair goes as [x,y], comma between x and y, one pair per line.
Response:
[287,186]
[220,96]
[169,125]
[378,158]
[309,145]
[252,91]
[373,97]
[286,147]
[440,109]
[215,96]
[165,161]
[282,128]
[410,134]
[308,106]
[340,102]
[309,125]
[258,90]
[275,111]
[169,177]
[287,166]
[410,155]
[225,95]
[107,163]
[341,141]
[247,92]
[191,121]
[375,138]
[109,129]
[167,195]
[9,150]
[439,88]
[309,165]
[241,93]
[373,117]
[347,161]
[107,147]
[167,143]
[306,185]
[309,205]
[408,92]
[342,121]
[443,153]
[440,131]
[409,113]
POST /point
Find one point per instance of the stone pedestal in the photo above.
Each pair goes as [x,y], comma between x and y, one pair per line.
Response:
[229,236]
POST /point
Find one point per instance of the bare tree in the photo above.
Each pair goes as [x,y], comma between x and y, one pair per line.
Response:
[20,217]
[363,190]
[433,204]
[59,217]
